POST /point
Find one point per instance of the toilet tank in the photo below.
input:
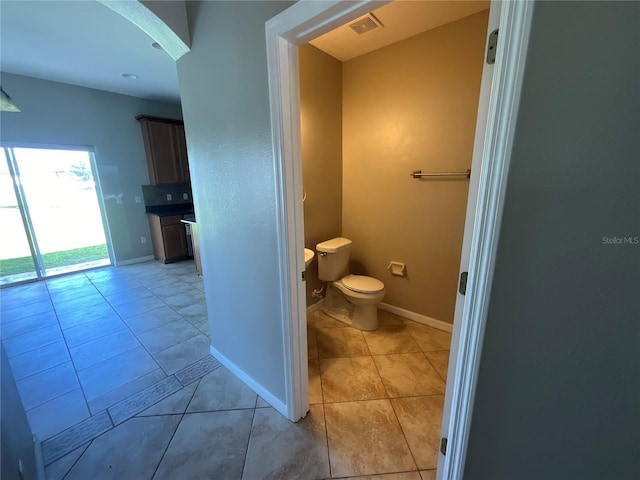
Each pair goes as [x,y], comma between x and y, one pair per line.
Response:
[333,258]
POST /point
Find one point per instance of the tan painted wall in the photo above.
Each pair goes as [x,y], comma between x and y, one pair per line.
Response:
[321,124]
[411,105]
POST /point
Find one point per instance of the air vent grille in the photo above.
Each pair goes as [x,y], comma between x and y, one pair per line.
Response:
[364,25]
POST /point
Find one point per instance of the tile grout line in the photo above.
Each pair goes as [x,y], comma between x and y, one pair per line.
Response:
[177,426]
[55,312]
[155,471]
[77,459]
[73,364]
[246,450]
[108,413]
[404,435]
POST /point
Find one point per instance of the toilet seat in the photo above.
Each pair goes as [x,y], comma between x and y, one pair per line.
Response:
[362,284]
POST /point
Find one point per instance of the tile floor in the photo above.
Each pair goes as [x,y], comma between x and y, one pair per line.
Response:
[114,371]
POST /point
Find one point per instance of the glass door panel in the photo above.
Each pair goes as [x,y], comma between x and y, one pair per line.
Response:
[62,200]
[16,256]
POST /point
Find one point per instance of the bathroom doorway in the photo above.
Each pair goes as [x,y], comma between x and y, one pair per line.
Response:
[369,119]
[51,212]
[497,110]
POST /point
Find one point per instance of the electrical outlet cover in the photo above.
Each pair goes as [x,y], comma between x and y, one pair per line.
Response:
[169,197]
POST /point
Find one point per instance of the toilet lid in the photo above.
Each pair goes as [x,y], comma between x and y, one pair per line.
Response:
[362,284]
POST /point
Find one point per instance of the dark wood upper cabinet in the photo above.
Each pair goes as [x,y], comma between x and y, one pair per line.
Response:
[166,149]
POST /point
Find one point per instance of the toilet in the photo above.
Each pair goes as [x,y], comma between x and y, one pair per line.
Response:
[352,299]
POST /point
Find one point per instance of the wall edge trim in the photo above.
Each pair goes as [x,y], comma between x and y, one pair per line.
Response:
[132,261]
[417,317]
[249,382]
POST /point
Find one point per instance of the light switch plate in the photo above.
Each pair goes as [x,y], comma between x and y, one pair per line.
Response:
[169,197]
[138,199]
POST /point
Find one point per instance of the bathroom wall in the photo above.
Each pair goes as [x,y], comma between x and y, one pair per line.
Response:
[321,129]
[409,106]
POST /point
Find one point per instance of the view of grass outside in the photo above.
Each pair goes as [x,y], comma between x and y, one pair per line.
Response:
[15,266]
[63,209]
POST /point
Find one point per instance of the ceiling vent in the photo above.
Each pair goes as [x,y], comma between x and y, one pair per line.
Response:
[365,24]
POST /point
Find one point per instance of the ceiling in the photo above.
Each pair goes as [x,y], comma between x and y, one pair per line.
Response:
[87,44]
[400,19]
[83,43]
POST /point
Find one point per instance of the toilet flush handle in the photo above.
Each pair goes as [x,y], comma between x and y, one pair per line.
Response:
[323,254]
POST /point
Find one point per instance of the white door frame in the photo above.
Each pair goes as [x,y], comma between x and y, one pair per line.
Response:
[301,23]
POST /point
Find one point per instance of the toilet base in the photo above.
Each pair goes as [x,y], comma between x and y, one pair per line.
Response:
[360,316]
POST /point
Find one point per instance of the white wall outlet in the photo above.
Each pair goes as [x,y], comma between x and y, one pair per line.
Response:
[138,199]
[143,239]
[185,196]
[169,196]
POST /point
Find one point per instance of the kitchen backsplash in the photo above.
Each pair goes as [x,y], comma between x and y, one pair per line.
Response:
[170,194]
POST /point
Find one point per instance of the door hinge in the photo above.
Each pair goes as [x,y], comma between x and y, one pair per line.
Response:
[462,288]
[492,47]
[443,446]
[303,277]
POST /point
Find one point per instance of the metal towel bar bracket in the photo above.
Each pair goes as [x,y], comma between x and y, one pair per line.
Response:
[419,174]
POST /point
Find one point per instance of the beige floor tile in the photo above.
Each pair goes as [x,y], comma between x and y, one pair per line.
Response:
[420,418]
[429,339]
[428,474]
[319,319]
[440,361]
[408,374]
[315,386]
[341,343]
[386,318]
[312,344]
[350,379]
[221,390]
[206,445]
[388,339]
[387,476]
[280,449]
[365,439]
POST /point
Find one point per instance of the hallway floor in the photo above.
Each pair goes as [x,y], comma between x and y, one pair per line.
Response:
[115,360]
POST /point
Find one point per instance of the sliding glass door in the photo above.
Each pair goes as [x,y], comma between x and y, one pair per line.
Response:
[50,203]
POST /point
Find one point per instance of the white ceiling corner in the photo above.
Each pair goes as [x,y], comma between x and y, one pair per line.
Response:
[83,43]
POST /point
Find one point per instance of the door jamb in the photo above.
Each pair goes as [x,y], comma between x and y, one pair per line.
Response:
[301,23]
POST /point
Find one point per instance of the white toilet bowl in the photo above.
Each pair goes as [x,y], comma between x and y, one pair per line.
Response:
[362,295]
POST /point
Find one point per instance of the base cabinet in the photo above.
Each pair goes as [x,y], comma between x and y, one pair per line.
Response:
[169,238]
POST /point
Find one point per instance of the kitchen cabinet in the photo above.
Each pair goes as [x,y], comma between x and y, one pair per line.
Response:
[169,238]
[166,149]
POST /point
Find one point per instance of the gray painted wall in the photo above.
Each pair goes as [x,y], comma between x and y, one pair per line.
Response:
[61,114]
[225,100]
[17,439]
[558,394]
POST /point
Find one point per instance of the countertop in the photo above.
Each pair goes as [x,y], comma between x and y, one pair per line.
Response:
[170,210]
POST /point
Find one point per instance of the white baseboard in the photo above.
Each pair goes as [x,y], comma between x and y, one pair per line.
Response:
[133,261]
[417,317]
[250,382]
[315,307]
